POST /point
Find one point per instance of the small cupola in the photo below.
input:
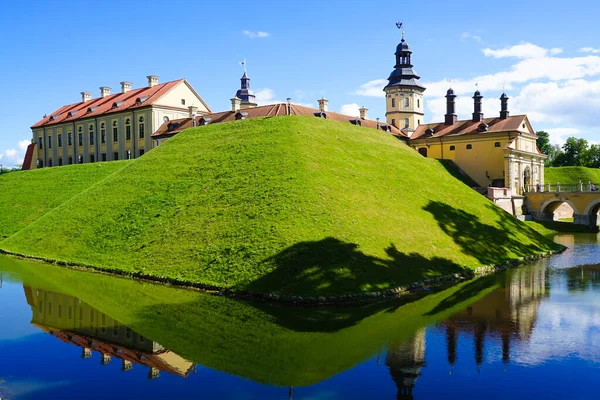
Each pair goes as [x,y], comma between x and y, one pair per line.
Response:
[477,112]
[504,106]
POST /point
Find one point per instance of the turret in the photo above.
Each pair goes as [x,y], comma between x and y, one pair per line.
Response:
[450,117]
[477,113]
[504,106]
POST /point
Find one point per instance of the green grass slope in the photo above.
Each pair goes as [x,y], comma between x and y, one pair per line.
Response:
[289,205]
[27,195]
[571,175]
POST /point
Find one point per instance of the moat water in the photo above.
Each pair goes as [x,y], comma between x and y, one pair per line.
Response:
[531,332]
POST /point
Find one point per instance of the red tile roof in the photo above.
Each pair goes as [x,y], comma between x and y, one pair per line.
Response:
[272,110]
[468,127]
[106,105]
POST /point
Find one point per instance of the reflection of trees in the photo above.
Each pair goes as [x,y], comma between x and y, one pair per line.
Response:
[581,279]
[72,321]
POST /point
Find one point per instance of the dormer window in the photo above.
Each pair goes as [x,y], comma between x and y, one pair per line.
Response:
[204,121]
[483,127]
[140,100]
[72,114]
[172,126]
[117,104]
[91,109]
[241,115]
[53,117]
[320,114]
[429,132]
[355,121]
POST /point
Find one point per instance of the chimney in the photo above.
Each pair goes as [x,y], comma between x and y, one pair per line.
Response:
[289,106]
[323,104]
[152,80]
[477,114]
[104,91]
[193,109]
[125,86]
[86,96]
[236,104]
[504,106]
[450,117]
[363,112]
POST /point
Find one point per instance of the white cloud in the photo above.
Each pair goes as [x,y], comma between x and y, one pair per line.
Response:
[521,50]
[467,35]
[23,144]
[350,109]
[560,135]
[589,50]
[255,35]
[13,156]
[372,88]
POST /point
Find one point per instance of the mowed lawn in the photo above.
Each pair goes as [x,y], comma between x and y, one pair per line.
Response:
[286,205]
[27,195]
[571,175]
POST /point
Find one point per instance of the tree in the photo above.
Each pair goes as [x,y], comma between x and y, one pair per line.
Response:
[593,156]
[543,142]
[575,152]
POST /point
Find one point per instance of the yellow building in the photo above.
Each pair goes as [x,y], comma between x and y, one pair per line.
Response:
[112,126]
[500,151]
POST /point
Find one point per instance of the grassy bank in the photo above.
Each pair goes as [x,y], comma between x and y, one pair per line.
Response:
[264,343]
[291,205]
[571,175]
[27,195]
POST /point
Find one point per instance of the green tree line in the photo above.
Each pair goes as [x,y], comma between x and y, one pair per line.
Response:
[576,152]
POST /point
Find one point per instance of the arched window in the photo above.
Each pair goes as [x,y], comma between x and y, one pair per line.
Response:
[469,146]
[452,148]
[393,102]
[128,129]
[497,144]
[406,102]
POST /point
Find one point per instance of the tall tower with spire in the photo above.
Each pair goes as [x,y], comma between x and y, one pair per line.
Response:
[404,93]
[245,94]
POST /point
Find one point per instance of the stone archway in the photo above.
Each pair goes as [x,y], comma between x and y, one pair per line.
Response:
[592,212]
[548,208]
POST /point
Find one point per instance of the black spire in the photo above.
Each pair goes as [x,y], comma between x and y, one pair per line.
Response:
[245,93]
[477,114]
[403,73]
[504,106]
[450,117]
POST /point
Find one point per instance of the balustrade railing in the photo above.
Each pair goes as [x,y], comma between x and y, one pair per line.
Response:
[562,188]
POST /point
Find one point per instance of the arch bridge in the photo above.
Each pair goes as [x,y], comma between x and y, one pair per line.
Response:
[584,199]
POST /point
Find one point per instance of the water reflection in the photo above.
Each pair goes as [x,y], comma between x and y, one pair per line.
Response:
[75,322]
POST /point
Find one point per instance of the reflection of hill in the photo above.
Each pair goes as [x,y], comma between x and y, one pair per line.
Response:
[240,339]
[75,322]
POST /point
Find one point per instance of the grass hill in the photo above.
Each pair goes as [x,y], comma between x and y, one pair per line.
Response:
[571,175]
[27,195]
[288,205]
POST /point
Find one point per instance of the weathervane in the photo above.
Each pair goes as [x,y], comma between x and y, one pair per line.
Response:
[243,64]
[449,82]
[399,26]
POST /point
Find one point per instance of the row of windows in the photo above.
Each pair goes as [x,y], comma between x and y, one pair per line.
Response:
[92,158]
[406,122]
[406,102]
[470,146]
[141,131]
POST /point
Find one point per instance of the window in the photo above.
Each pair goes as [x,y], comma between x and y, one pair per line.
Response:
[80,137]
[59,140]
[128,132]
[183,102]
[70,139]
[80,129]
[469,146]
[141,119]
[115,134]
[406,122]
[59,161]
[452,148]
[165,119]
[92,158]
[49,162]
[393,102]
[418,103]
[116,155]
[141,152]
[128,155]
[141,128]
[406,102]
[418,122]
[70,160]
[49,142]
[91,138]
[80,159]
[103,156]
[103,136]
[393,122]
[497,144]
[41,162]
[41,142]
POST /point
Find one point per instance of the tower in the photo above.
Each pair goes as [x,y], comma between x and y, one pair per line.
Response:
[245,94]
[403,93]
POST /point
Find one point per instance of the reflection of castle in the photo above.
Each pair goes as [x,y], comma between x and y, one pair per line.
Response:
[73,321]
[405,361]
[509,311]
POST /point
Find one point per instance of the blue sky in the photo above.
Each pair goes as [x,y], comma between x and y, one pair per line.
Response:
[545,55]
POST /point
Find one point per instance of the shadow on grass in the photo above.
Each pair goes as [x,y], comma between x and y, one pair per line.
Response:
[333,267]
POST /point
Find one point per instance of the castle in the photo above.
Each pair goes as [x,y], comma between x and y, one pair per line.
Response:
[497,151]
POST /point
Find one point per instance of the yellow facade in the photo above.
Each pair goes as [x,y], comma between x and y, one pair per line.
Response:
[404,107]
